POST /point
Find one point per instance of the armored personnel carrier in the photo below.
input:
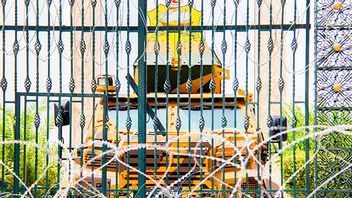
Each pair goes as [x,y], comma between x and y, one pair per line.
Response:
[200,141]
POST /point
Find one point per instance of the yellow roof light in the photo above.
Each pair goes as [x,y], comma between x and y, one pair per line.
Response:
[104,81]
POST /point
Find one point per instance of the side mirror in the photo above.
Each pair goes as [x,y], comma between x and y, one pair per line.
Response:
[276,129]
[65,110]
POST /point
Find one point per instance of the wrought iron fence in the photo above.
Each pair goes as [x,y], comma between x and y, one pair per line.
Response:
[174,98]
[332,75]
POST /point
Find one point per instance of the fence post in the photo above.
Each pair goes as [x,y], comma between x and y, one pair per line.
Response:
[17,145]
[306,105]
[142,33]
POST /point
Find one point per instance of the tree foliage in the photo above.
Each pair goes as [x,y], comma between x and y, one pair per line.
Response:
[294,157]
[32,160]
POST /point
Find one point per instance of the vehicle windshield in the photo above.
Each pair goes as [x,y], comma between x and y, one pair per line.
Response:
[189,121]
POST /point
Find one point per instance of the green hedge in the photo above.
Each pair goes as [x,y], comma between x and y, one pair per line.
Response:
[27,162]
[294,157]
[328,160]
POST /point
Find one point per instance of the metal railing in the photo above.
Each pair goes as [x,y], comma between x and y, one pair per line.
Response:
[174,98]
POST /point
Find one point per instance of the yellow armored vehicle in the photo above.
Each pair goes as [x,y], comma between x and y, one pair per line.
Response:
[209,160]
[183,158]
[187,153]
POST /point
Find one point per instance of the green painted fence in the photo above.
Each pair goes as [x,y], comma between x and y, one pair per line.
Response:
[101,97]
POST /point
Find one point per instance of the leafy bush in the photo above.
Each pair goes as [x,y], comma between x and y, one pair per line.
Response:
[295,155]
[324,159]
[300,122]
[28,159]
[299,181]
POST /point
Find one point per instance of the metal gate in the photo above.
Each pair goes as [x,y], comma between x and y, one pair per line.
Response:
[333,106]
[176,98]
